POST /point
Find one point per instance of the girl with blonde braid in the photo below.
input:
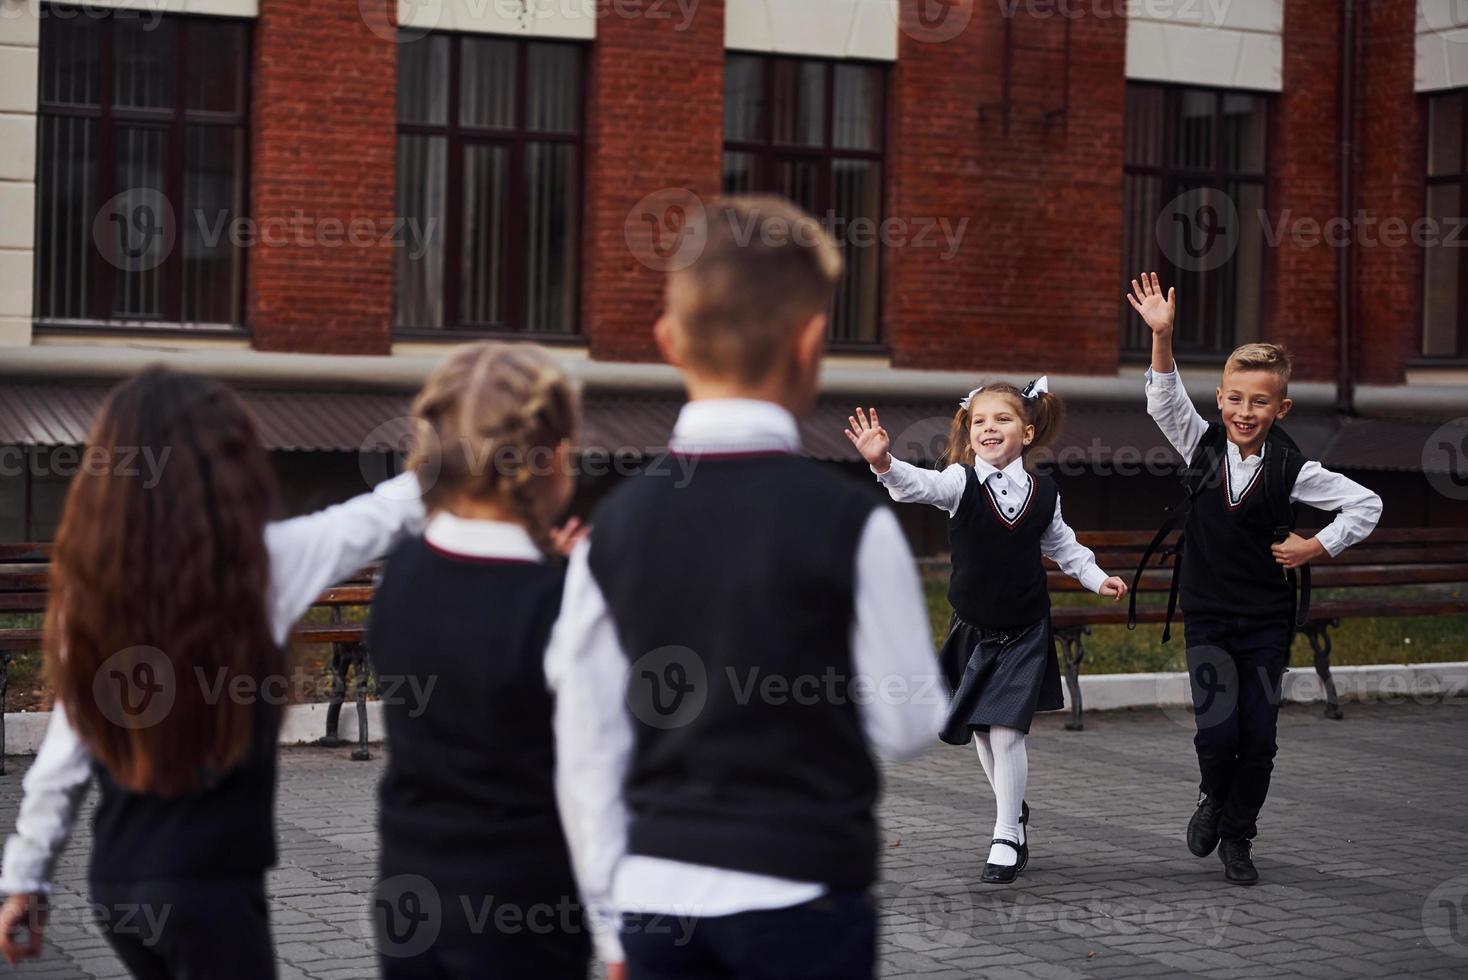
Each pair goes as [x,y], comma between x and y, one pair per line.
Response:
[474,879]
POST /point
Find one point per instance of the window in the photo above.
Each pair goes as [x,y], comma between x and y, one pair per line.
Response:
[1444,326]
[813,131]
[489,184]
[140,169]
[1193,197]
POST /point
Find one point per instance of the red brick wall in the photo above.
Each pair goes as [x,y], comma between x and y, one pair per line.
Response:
[323,145]
[1390,185]
[1034,286]
[655,122]
[1301,300]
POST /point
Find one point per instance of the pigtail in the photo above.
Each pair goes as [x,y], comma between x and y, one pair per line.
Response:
[1047,414]
[959,449]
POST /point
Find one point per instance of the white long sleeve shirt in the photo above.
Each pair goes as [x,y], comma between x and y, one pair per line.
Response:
[1010,488]
[891,643]
[307,554]
[1359,508]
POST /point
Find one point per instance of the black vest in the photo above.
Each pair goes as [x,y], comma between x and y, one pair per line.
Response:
[733,600]
[1228,568]
[225,830]
[468,795]
[998,578]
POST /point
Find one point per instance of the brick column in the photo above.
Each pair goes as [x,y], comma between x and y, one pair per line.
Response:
[322,161]
[1305,191]
[1035,284]
[655,121]
[1390,187]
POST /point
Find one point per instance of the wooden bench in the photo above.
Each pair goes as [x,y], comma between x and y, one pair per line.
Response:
[24,572]
[1411,558]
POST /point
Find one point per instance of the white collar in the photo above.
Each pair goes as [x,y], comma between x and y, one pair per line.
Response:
[734,425]
[1015,470]
[1236,455]
[463,537]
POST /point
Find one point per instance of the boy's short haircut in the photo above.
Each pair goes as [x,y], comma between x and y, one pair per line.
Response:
[766,268]
[1261,357]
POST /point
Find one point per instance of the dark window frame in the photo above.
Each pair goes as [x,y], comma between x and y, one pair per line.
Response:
[768,154]
[457,136]
[1429,181]
[176,121]
[1174,179]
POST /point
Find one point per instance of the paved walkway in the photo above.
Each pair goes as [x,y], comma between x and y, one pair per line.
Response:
[1364,856]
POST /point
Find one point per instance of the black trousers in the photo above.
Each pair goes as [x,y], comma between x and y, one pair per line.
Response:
[188,929]
[831,938]
[1236,665]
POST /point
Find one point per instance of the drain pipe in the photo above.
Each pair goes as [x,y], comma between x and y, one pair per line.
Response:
[1345,258]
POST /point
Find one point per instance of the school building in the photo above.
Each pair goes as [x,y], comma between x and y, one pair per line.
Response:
[315,199]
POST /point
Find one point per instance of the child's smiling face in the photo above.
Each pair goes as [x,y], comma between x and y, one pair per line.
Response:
[997,429]
[1250,402]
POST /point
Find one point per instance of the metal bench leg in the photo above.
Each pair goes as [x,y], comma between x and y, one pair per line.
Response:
[359,678]
[4,686]
[1075,652]
[333,740]
[1317,631]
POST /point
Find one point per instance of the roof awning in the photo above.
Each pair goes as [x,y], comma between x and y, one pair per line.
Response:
[59,414]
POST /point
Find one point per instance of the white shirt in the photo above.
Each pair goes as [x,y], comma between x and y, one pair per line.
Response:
[1010,489]
[307,554]
[473,538]
[1168,403]
[586,668]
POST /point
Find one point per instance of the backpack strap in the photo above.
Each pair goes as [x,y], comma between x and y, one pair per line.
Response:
[1195,478]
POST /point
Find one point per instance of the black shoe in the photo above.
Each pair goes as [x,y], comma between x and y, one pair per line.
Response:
[1024,812]
[1002,874]
[1203,827]
[1238,866]
[1024,820]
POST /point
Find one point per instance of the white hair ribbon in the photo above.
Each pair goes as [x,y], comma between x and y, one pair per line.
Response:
[963,402]
[1040,386]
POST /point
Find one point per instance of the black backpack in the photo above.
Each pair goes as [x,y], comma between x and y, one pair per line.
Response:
[1282,462]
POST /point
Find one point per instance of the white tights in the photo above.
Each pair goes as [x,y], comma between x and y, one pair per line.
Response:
[1007,764]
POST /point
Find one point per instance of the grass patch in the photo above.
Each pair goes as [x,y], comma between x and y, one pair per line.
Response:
[1385,640]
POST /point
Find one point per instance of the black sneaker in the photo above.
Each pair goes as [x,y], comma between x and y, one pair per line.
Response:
[1238,865]
[1203,827]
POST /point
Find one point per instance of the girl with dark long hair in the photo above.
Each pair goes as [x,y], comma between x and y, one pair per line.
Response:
[172,599]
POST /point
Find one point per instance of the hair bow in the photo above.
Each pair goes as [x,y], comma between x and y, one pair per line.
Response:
[1040,386]
[963,402]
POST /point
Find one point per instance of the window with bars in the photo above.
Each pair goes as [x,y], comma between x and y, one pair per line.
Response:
[140,169]
[489,184]
[814,131]
[1193,200]
[1444,324]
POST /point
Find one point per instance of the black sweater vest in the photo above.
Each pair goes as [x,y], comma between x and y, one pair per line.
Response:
[468,796]
[732,597]
[998,578]
[226,830]
[1228,568]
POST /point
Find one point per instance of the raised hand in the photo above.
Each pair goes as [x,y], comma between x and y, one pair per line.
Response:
[566,537]
[1146,299]
[870,439]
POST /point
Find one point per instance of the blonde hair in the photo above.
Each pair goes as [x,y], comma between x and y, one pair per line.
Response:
[1046,412]
[766,267]
[488,424]
[1261,357]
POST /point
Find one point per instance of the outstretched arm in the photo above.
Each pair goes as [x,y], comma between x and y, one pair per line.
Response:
[1059,544]
[904,482]
[1167,400]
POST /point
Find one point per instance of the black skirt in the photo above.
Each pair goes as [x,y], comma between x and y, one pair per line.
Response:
[998,677]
